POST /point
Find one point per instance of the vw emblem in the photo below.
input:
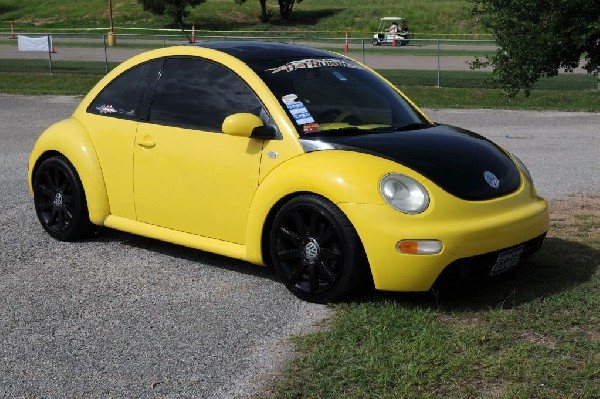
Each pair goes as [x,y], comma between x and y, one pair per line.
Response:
[491,179]
[311,250]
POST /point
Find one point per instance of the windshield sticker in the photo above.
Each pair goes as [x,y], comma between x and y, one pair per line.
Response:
[339,76]
[297,109]
[310,127]
[310,63]
[106,109]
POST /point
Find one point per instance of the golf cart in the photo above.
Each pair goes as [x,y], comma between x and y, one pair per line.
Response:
[385,35]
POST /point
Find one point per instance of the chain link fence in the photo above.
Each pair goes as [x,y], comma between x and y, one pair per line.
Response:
[416,62]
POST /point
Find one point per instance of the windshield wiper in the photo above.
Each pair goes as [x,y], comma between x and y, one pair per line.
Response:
[402,128]
[411,126]
[342,131]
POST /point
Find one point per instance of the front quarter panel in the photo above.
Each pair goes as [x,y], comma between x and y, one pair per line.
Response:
[339,176]
[69,138]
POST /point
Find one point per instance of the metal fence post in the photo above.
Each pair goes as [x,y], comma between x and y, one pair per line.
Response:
[363,50]
[105,53]
[438,63]
[49,38]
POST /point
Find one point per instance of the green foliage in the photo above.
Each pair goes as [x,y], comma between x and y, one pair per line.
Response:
[538,38]
[177,9]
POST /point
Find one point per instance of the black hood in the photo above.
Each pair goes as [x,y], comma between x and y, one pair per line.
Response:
[463,163]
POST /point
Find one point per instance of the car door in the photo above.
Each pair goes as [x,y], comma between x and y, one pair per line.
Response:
[188,175]
[111,121]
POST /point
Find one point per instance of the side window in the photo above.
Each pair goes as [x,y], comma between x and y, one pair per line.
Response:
[199,94]
[122,98]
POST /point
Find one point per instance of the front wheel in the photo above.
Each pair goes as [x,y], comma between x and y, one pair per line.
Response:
[316,252]
[60,201]
[375,42]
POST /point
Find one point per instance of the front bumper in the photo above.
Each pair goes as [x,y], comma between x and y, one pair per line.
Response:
[470,231]
[480,266]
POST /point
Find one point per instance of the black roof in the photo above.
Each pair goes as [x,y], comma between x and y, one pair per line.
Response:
[254,51]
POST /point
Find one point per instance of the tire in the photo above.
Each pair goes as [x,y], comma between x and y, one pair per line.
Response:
[316,252]
[59,200]
[375,42]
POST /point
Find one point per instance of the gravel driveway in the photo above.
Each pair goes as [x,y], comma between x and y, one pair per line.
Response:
[124,316]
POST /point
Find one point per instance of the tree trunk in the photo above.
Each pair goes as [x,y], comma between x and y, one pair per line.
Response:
[264,15]
[285,8]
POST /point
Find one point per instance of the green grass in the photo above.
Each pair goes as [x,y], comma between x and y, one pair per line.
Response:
[68,77]
[325,16]
[476,79]
[531,333]
[459,89]
[539,100]
[46,83]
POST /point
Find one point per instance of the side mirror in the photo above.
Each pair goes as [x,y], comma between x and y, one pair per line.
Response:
[241,124]
[264,132]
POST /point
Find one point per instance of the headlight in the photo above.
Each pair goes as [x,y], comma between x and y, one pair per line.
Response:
[523,168]
[404,193]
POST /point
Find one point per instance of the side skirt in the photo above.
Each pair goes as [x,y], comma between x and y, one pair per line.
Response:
[220,247]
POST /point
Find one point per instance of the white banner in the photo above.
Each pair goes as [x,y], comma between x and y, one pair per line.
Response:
[43,43]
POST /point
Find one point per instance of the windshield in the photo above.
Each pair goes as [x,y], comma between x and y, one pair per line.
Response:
[336,96]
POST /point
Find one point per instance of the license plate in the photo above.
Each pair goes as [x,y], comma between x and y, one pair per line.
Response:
[507,260]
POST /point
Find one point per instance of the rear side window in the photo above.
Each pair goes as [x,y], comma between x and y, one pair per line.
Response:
[124,96]
[198,94]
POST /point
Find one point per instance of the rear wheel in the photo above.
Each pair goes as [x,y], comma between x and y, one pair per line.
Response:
[60,201]
[316,252]
[375,42]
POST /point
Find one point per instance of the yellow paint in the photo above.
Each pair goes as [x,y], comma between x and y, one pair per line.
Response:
[69,138]
[214,191]
[240,124]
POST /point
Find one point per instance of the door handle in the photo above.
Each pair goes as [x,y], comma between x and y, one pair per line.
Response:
[146,143]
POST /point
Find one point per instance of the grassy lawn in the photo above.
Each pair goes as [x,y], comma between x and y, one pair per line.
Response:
[539,100]
[319,17]
[531,333]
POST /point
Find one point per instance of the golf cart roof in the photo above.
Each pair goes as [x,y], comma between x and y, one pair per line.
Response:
[392,18]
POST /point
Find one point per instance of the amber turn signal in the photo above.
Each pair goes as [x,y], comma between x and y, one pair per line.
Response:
[419,247]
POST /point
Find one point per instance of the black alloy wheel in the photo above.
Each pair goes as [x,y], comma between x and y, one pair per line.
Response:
[316,252]
[60,201]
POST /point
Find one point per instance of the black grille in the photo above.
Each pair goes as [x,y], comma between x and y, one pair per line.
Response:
[480,266]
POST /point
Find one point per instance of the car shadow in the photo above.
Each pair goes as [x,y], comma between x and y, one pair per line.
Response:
[559,266]
[184,253]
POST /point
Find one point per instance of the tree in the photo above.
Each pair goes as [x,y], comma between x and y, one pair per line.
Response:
[537,38]
[175,8]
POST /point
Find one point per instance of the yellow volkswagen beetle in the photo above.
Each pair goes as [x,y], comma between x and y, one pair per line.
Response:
[288,156]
